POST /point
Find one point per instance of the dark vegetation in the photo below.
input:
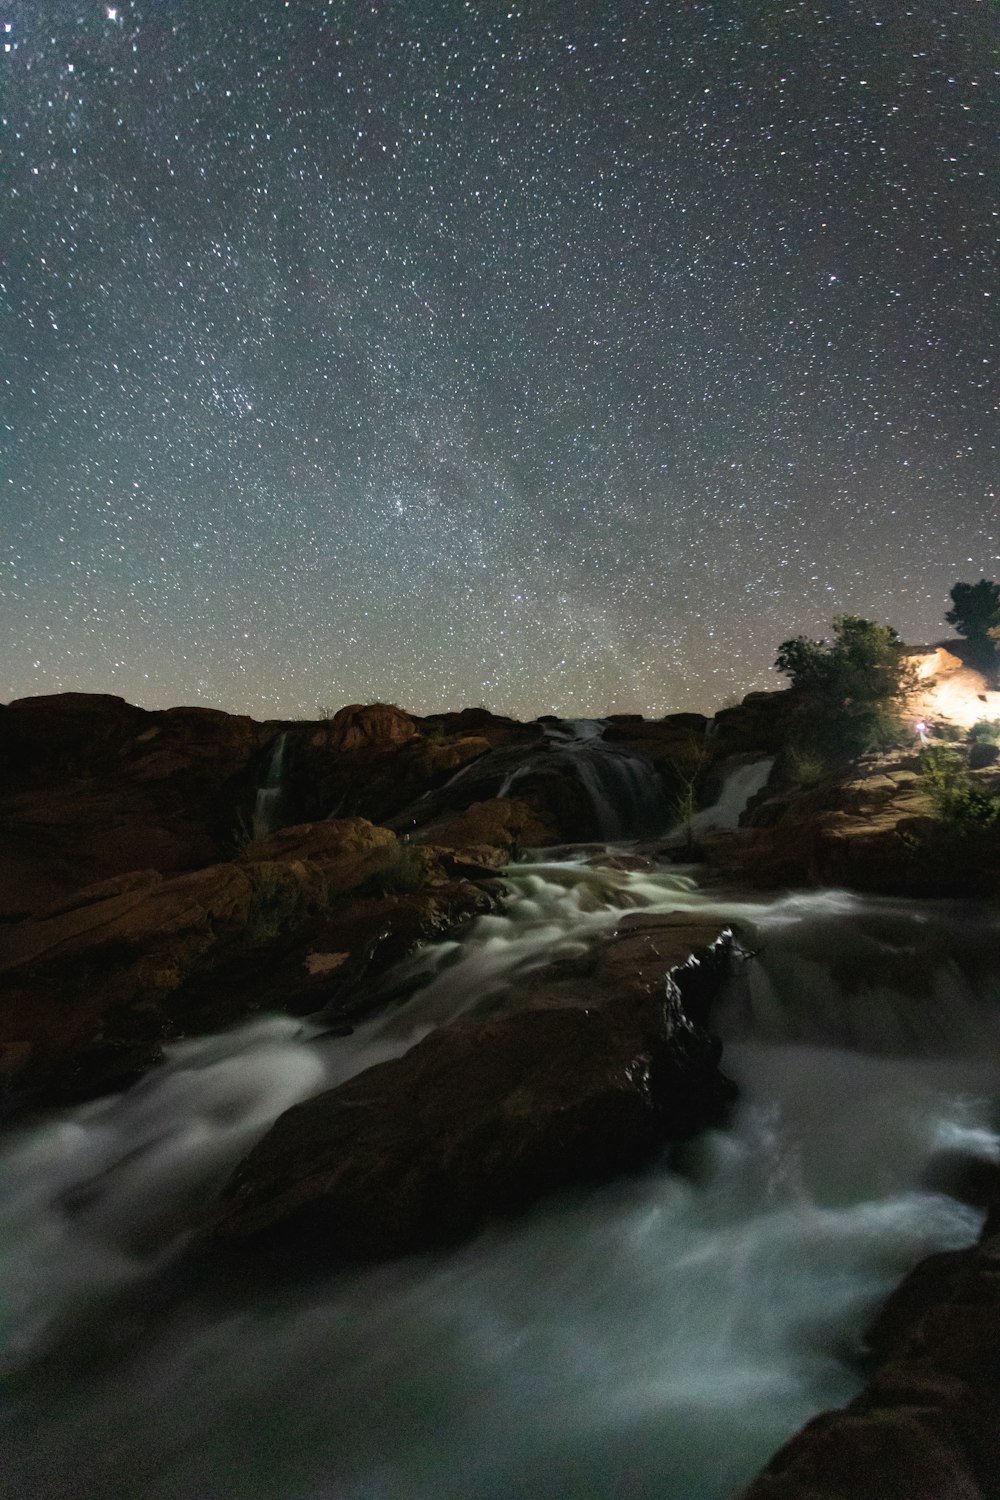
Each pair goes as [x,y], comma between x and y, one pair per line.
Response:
[850,691]
[975,614]
[953,790]
[850,694]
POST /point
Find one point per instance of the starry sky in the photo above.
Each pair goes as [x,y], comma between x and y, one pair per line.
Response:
[558,356]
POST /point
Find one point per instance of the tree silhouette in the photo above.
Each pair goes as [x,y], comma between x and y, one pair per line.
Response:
[976,609]
[976,615]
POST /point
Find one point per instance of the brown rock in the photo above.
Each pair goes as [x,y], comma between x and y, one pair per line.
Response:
[478,1119]
[873,830]
[331,841]
[95,787]
[140,958]
[443,758]
[64,735]
[497,824]
[676,745]
[360,726]
[759,723]
[628,970]
[496,729]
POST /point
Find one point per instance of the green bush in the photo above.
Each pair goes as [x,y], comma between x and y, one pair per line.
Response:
[805,764]
[851,688]
[954,793]
[985,732]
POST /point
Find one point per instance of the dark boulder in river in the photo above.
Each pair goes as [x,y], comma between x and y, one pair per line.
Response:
[478,1119]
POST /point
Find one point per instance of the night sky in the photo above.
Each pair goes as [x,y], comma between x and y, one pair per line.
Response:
[558,356]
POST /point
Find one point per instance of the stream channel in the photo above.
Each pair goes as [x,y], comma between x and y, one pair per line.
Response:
[654,1339]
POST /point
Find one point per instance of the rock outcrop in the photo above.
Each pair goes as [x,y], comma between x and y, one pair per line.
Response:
[92,787]
[479,1119]
[91,987]
[135,906]
[872,829]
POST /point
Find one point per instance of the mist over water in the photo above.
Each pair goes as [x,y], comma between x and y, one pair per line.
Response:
[658,1337]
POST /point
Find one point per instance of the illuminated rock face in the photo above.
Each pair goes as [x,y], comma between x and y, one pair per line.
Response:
[950,692]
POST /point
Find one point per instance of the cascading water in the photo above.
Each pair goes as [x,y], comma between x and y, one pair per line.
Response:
[267,808]
[625,791]
[655,1338]
[737,789]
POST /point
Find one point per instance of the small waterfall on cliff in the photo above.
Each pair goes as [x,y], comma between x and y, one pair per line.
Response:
[625,791]
[656,1338]
[267,808]
[740,785]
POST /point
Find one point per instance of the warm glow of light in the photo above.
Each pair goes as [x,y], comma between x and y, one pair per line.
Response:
[962,706]
[950,693]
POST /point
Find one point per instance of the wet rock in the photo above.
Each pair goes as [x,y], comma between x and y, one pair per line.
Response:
[628,971]
[477,1120]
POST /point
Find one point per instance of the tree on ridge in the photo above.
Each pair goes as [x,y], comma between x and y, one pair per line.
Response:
[976,615]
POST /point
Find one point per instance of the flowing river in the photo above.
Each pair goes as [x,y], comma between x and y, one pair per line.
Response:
[655,1339]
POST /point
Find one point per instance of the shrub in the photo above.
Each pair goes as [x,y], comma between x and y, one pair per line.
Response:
[954,793]
[805,764]
[404,871]
[851,688]
[976,615]
[276,901]
[985,732]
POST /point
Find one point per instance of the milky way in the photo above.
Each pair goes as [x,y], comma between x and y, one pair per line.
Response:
[559,357]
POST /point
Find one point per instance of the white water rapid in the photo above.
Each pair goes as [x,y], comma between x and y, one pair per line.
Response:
[655,1339]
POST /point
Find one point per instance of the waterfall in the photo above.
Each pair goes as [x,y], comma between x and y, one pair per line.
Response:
[739,786]
[658,1337]
[267,808]
[625,791]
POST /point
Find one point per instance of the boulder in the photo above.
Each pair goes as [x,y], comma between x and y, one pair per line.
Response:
[491,830]
[479,1119]
[628,970]
[366,727]
[677,745]
[64,735]
[759,723]
[496,729]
